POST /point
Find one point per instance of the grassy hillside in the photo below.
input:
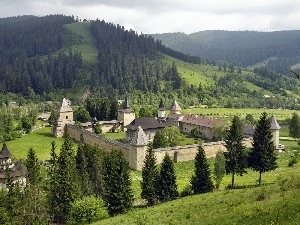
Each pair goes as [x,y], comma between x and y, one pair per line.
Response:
[40,140]
[87,47]
[277,202]
[207,74]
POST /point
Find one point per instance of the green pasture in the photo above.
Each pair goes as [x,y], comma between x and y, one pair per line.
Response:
[277,201]
[280,114]
[88,47]
[40,140]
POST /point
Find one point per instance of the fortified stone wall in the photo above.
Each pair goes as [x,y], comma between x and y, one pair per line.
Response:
[91,138]
[135,155]
[188,152]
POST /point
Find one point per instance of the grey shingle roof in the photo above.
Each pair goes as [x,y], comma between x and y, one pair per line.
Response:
[274,123]
[5,153]
[175,106]
[150,123]
[139,137]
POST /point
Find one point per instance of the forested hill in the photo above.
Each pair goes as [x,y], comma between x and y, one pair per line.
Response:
[47,58]
[37,55]
[277,50]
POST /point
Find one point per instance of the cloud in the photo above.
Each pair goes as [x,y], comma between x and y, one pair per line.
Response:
[157,16]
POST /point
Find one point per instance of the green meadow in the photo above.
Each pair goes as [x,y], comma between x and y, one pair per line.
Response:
[40,140]
[88,47]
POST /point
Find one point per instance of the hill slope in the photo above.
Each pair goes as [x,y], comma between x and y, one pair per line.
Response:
[243,48]
[105,59]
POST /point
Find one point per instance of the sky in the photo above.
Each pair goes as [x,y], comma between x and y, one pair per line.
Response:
[165,16]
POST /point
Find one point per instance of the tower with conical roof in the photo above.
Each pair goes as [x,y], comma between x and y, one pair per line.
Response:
[275,130]
[138,144]
[175,108]
[161,112]
[17,170]
[5,156]
[64,115]
[126,115]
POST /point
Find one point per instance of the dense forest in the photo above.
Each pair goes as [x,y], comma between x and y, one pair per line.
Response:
[38,62]
[278,50]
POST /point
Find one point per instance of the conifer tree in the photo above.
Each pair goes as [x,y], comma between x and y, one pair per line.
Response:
[66,190]
[82,169]
[166,184]
[262,158]
[294,126]
[219,168]
[118,195]
[149,177]
[201,180]
[236,155]
[52,180]
[35,210]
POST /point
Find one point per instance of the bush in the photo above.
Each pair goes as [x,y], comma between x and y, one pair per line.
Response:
[87,210]
[187,191]
[292,161]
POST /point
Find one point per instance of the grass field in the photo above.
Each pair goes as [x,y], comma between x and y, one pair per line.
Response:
[276,202]
[280,114]
[40,140]
[88,49]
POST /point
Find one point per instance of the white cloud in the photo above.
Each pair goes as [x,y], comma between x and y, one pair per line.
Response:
[157,16]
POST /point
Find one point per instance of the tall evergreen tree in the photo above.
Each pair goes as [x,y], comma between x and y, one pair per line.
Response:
[219,168]
[236,155]
[118,195]
[201,180]
[66,190]
[166,184]
[294,126]
[35,210]
[149,177]
[82,168]
[262,158]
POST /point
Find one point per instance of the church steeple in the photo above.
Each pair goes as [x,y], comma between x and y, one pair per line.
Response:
[126,102]
[125,115]
[161,112]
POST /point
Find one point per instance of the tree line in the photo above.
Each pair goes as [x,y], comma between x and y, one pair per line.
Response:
[90,184]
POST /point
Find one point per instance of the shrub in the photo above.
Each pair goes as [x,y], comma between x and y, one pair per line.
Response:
[187,191]
[87,210]
[292,161]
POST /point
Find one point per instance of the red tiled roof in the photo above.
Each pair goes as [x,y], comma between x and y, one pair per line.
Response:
[201,120]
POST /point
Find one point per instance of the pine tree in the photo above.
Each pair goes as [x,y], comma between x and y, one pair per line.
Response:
[201,180]
[35,210]
[118,195]
[236,155]
[66,190]
[219,168]
[149,177]
[15,199]
[294,126]
[166,184]
[82,169]
[262,158]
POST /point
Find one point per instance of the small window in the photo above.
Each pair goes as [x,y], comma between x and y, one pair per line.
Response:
[67,117]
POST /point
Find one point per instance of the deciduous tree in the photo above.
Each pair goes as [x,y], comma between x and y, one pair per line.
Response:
[219,168]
